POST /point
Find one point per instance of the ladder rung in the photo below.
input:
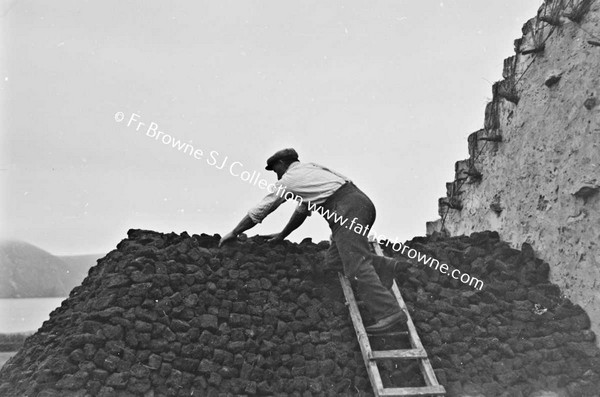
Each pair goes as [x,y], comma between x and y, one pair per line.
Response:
[413,391]
[406,353]
[393,333]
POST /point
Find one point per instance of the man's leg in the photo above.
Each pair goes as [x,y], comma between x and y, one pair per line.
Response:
[386,269]
[358,267]
[332,263]
[332,257]
[356,208]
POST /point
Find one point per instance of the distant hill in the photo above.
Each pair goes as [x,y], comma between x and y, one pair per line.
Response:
[27,271]
[77,267]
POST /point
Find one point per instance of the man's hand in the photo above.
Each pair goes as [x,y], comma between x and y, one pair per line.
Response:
[274,238]
[245,224]
[226,238]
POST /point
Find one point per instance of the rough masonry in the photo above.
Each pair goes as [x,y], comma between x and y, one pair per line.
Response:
[533,173]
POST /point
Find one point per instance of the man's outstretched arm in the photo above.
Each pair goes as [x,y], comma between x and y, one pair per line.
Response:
[245,224]
[294,223]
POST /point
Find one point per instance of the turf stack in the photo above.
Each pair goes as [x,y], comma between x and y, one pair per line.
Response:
[173,315]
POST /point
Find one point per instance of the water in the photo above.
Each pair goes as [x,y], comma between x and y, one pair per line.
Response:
[25,315]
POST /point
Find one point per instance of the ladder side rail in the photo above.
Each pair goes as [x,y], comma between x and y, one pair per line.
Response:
[363,340]
[415,341]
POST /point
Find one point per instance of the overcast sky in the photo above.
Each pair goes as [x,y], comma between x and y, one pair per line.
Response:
[385,92]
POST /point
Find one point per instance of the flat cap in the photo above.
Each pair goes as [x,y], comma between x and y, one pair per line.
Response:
[283,154]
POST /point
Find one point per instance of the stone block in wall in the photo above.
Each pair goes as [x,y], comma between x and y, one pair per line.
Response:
[510,67]
[453,189]
[449,189]
[472,141]
[442,207]
[461,169]
[517,45]
[433,227]
[528,27]
[492,119]
[450,202]
[534,42]
[506,89]
[474,176]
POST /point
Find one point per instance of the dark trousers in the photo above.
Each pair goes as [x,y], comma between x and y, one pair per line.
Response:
[360,265]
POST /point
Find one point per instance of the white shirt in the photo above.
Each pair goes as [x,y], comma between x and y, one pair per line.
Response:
[302,182]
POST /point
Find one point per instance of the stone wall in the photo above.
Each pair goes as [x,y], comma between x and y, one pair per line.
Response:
[533,173]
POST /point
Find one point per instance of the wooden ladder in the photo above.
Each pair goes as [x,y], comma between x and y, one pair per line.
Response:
[371,357]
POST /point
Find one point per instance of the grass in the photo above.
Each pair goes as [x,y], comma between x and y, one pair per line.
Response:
[12,342]
[552,12]
[579,9]
[4,356]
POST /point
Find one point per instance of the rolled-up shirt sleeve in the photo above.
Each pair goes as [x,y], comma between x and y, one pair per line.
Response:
[267,205]
[292,187]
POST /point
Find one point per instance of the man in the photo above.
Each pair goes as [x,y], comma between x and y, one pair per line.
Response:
[312,184]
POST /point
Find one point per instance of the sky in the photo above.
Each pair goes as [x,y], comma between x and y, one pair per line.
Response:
[384,92]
